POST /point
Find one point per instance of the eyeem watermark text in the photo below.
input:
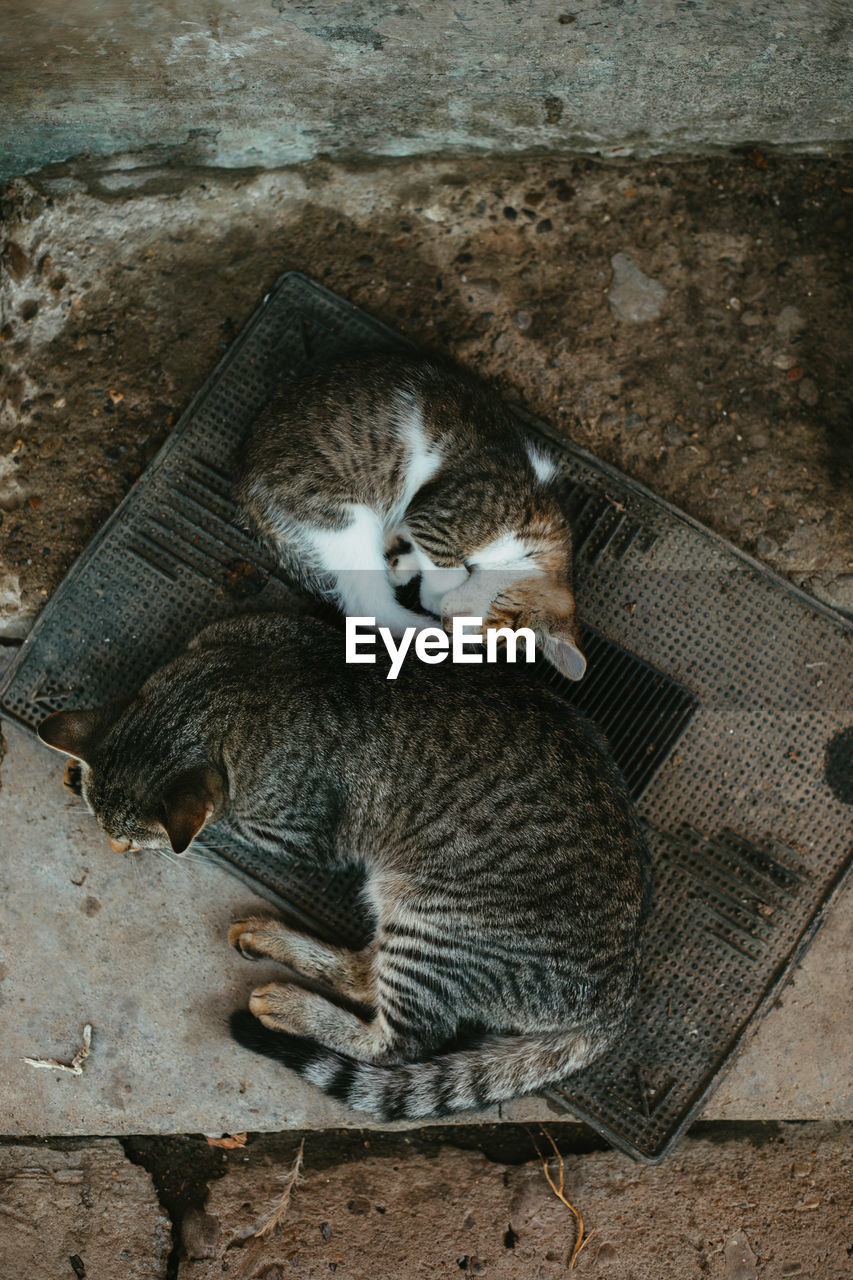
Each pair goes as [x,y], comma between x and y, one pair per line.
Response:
[433,644]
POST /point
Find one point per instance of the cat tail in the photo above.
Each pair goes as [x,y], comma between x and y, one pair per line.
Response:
[494,1069]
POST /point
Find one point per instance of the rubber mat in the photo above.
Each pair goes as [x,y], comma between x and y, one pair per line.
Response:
[725,693]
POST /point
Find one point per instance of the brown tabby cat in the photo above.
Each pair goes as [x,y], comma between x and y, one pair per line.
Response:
[370,472]
[505,867]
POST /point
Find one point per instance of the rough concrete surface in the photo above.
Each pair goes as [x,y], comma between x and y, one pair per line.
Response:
[137,948]
[733,1210]
[272,82]
[122,286]
[87,1212]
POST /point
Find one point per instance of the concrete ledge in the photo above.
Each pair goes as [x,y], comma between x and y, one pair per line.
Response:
[138,949]
[735,1209]
[83,1212]
[267,84]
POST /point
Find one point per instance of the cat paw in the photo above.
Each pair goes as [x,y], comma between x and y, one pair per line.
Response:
[278,1006]
[73,776]
[246,936]
[401,569]
[400,560]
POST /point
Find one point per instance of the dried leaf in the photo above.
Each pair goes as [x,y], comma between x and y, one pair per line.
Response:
[230,1142]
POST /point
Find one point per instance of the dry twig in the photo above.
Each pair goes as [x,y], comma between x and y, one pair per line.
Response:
[582,1240]
[75,1066]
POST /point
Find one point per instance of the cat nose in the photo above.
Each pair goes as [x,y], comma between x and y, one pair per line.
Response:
[119,846]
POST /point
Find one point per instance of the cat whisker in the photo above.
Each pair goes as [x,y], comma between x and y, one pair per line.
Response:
[169,857]
[196,857]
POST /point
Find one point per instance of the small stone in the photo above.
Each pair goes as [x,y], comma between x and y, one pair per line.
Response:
[487,285]
[810,1203]
[434,213]
[766,547]
[750,319]
[789,322]
[695,455]
[633,420]
[633,296]
[784,361]
[792,1269]
[509,213]
[523,320]
[606,1252]
[49,446]
[739,1258]
[807,391]
[12,496]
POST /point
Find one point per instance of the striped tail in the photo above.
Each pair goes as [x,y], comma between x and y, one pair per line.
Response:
[495,1069]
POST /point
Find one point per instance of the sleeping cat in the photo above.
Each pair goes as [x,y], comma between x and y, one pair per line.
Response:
[505,867]
[368,473]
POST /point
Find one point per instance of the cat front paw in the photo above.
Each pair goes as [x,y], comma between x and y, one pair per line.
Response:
[247,937]
[72,778]
[400,559]
[402,570]
[279,1007]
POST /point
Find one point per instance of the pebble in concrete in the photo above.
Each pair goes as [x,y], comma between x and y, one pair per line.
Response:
[789,322]
[633,296]
[86,1212]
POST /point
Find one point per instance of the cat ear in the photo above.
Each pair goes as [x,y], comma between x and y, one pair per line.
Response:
[563,653]
[189,804]
[77,733]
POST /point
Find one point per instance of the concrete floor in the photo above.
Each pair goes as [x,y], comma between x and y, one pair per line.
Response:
[124,283]
[767,1203]
[138,949]
[681,320]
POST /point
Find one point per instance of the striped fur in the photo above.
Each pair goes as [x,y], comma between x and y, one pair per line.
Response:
[373,471]
[504,866]
[494,1070]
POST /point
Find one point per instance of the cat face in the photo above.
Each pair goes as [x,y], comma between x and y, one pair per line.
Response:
[137,803]
[523,582]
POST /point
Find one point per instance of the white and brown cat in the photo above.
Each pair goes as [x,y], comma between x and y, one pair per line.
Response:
[370,472]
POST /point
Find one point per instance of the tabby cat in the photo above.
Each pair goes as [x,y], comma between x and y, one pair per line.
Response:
[376,470]
[505,867]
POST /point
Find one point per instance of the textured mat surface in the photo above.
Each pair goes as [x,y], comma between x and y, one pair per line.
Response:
[725,694]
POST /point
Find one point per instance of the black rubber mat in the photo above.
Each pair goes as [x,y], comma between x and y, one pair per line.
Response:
[726,695]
